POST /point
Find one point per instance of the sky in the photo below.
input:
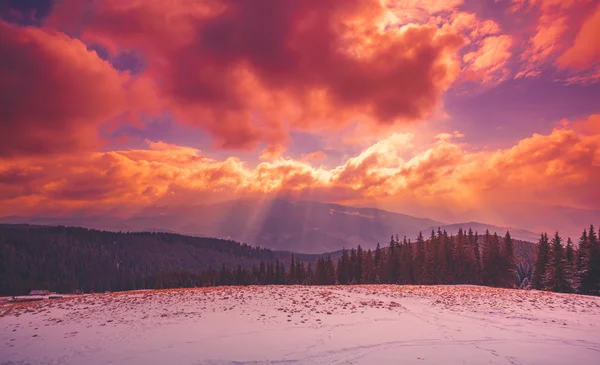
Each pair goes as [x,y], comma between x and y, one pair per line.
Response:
[455,110]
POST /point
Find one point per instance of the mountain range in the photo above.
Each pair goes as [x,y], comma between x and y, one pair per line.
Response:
[280,224]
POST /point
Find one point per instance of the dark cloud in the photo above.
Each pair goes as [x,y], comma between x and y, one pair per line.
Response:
[247,71]
[25,12]
[53,92]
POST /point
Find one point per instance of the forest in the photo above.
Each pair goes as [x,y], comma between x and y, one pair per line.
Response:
[69,259]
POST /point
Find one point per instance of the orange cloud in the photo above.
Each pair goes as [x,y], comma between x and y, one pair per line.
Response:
[561,168]
[489,62]
[558,23]
[586,49]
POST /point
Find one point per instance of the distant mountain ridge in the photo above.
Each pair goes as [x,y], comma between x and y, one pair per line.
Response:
[283,225]
[516,233]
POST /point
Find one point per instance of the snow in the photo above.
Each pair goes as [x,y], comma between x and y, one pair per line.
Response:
[374,324]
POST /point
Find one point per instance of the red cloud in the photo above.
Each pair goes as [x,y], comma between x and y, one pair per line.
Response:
[586,49]
[53,92]
[247,71]
[565,36]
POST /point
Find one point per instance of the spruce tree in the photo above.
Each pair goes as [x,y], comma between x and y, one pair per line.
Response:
[556,277]
[358,265]
[310,275]
[438,266]
[378,258]
[393,261]
[590,275]
[490,259]
[319,273]
[407,262]
[343,267]
[459,257]
[570,252]
[429,264]
[571,265]
[582,260]
[508,268]
[477,258]
[541,262]
[419,263]
[329,271]
[368,271]
[447,272]
[292,275]
[351,272]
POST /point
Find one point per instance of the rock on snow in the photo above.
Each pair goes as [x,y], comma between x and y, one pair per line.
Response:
[374,324]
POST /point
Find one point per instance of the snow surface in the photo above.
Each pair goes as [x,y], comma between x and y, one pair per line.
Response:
[375,324]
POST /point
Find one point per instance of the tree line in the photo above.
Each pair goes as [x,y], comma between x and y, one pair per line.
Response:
[568,269]
[466,258]
[70,259]
[439,259]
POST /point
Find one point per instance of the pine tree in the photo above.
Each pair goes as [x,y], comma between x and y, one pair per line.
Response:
[300,273]
[582,259]
[590,273]
[358,265]
[429,265]
[292,276]
[407,262]
[539,269]
[320,274]
[556,278]
[369,272]
[279,273]
[477,258]
[343,267]
[419,263]
[447,275]
[437,263]
[393,261]
[491,259]
[571,265]
[329,271]
[378,258]
[310,275]
[570,252]
[460,258]
[508,263]
[352,266]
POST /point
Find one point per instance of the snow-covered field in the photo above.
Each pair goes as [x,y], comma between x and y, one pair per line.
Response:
[378,324]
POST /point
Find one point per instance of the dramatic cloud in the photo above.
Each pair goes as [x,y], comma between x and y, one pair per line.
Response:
[322,96]
[561,168]
[247,72]
[564,38]
[53,92]
[586,49]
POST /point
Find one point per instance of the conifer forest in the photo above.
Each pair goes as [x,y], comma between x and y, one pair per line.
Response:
[67,259]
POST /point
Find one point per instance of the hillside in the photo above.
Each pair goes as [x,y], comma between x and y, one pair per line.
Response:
[280,224]
[69,258]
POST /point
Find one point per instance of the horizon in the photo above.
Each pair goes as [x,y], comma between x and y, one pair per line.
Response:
[79,220]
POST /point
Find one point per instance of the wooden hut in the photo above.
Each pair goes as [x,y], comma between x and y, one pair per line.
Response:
[39,292]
